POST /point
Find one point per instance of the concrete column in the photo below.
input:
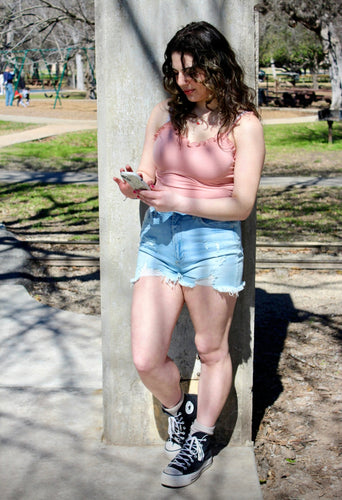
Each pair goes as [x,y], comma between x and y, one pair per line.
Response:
[131,36]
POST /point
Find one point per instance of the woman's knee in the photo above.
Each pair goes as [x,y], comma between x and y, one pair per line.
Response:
[144,362]
[146,358]
[211,351]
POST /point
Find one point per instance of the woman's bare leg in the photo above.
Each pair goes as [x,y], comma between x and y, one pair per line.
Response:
[211,313]
[156,306]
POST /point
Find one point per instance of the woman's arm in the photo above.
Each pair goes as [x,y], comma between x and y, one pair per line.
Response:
[250,152]
[146,167]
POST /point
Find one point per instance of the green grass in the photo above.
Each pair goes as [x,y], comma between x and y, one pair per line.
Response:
[305,136]
[78,150]
[74,151]
[10,127]
[75,144]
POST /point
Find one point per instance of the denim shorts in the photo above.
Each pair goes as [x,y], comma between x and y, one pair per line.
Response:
[191,251]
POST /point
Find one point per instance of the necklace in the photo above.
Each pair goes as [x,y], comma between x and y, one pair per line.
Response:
[209,119]
[201,121]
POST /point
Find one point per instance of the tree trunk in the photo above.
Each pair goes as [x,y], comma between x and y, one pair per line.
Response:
[332,43]
[314,79]
[79,70]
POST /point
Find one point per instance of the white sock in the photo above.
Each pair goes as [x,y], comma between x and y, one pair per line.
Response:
[174,409]
[197,427]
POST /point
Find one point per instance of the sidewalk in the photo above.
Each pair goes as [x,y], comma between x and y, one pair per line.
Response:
[50,127]
[51,412]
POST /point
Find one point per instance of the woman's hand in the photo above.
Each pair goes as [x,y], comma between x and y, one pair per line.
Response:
[163,200]
[124,187]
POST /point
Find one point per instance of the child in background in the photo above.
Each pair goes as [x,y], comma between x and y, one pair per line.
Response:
[19,98]
[26,95]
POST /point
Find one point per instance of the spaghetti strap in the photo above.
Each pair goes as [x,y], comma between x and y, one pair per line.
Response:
[237,119]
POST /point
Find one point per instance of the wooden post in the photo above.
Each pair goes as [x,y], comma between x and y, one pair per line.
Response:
[330,136]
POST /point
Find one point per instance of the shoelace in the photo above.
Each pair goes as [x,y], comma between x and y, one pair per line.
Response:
[192,449]
[176,428]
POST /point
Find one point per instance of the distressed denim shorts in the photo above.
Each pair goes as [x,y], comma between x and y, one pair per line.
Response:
[191,251]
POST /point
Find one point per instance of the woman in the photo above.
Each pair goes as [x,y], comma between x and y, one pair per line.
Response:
[202,157]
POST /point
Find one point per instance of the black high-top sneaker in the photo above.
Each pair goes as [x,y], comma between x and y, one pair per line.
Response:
[194,458]
[179,425]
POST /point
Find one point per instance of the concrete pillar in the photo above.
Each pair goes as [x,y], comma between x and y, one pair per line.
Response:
[131,36]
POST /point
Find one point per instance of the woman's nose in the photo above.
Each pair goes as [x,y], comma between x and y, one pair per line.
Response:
[182,78]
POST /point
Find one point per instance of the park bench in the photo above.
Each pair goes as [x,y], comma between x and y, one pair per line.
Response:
[330,116]
[289,98]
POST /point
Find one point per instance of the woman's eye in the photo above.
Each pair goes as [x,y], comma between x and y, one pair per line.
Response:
[191,73]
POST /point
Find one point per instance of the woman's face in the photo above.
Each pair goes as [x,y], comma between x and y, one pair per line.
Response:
[184,72]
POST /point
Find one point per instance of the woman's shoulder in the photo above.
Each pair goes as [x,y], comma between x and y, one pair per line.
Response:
[246,121]
[159,115]
[248,129]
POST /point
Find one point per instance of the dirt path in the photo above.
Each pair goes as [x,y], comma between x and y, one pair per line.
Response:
[74,109]
[70,109]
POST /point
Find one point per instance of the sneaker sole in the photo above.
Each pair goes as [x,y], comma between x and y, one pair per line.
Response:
[171,481]
[171,453]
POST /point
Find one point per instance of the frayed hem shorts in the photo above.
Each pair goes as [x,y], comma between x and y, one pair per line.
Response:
[191,251]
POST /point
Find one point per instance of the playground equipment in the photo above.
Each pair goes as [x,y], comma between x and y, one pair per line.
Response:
[33,57]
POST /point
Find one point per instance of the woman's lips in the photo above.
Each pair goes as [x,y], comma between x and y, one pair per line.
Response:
[188,92]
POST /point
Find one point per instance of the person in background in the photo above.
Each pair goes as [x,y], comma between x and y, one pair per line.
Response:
[8,82]
[19,98]
[26,95]
[202,158]
[1,84]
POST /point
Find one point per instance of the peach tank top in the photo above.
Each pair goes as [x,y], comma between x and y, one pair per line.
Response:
[194,169]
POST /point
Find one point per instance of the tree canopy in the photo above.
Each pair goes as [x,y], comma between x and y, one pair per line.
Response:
[28,24]
[323,17]
[295,50]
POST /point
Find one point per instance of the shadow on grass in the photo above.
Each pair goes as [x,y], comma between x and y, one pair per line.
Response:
[304,210]
[69,208]
[31,164]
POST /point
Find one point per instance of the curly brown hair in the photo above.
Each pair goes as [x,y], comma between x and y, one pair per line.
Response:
[224,77]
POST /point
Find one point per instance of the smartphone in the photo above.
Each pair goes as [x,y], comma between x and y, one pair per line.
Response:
[134,180]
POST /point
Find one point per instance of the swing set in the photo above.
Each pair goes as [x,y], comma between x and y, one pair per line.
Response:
[18,58]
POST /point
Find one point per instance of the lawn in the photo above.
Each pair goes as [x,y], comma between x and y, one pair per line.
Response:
[292,149]
[11,127]
[72,210]
[283,214]
[311,136]
[76,151]
[303,149]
